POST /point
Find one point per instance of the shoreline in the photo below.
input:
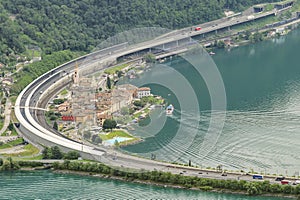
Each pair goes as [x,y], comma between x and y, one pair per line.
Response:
[157,184]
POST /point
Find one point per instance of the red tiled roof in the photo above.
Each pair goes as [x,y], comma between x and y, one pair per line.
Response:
[144,89]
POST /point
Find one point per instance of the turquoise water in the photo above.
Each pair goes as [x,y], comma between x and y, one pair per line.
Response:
[261,131]
[46,185]
[119,139]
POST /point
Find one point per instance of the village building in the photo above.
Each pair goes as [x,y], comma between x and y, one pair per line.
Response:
[64,107]
[122,96]
[143,92]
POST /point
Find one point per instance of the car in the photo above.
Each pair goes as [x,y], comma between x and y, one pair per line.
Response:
[279,178]
[286,182]
[296,182]
[223,174]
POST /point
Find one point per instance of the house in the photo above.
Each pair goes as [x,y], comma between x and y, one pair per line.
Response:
[64,107]
[101,117]
[143,92]
[122,97]
[280,31]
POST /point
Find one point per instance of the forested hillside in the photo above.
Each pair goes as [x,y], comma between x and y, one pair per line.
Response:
[79,25]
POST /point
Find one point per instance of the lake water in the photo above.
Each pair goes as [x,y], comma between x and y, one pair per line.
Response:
[47,185]
[261,130]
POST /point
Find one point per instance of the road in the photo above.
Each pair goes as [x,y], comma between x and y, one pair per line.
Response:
[7,112]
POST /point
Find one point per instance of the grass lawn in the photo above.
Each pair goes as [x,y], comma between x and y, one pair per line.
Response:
[113,70]
[13,99]
[12,143]
[136,115]
[116,133]
[64,92]
[32,53]
[39,157]
[1,123]
[29,150]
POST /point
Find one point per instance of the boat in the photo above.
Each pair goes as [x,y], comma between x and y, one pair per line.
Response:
[212,53]
[170,109]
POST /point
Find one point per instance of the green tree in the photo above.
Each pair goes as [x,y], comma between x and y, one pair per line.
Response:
[87,135]
[55,126]
[150,58]
[108,83]
[221,44]
[248,34]
[58,101]
[47,153]
[109,124]
[96,139]
[10,165]
[275,188]
[287,189]
[119,73]
[72,155]
[10,127]
[124,111]
[116,143]
[56,153]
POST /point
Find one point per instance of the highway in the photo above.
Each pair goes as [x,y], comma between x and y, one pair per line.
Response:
[40,91]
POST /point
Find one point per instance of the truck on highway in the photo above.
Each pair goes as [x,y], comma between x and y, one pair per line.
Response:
[257,176]
[197,28]
[280,178]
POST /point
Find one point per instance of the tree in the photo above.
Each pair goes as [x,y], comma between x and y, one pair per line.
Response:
[10,165]
[108,83]
[96,139]
[124,111]
[119,73]
[248,34]
[116,143]
[221,44]
[56,153]
[87,135]
[55,126]
[72,155]
[109,124]
[47,153]
[10,127]
[58,101]
[150,58]
[287,189]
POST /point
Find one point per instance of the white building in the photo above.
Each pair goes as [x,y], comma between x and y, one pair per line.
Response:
[143,92]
